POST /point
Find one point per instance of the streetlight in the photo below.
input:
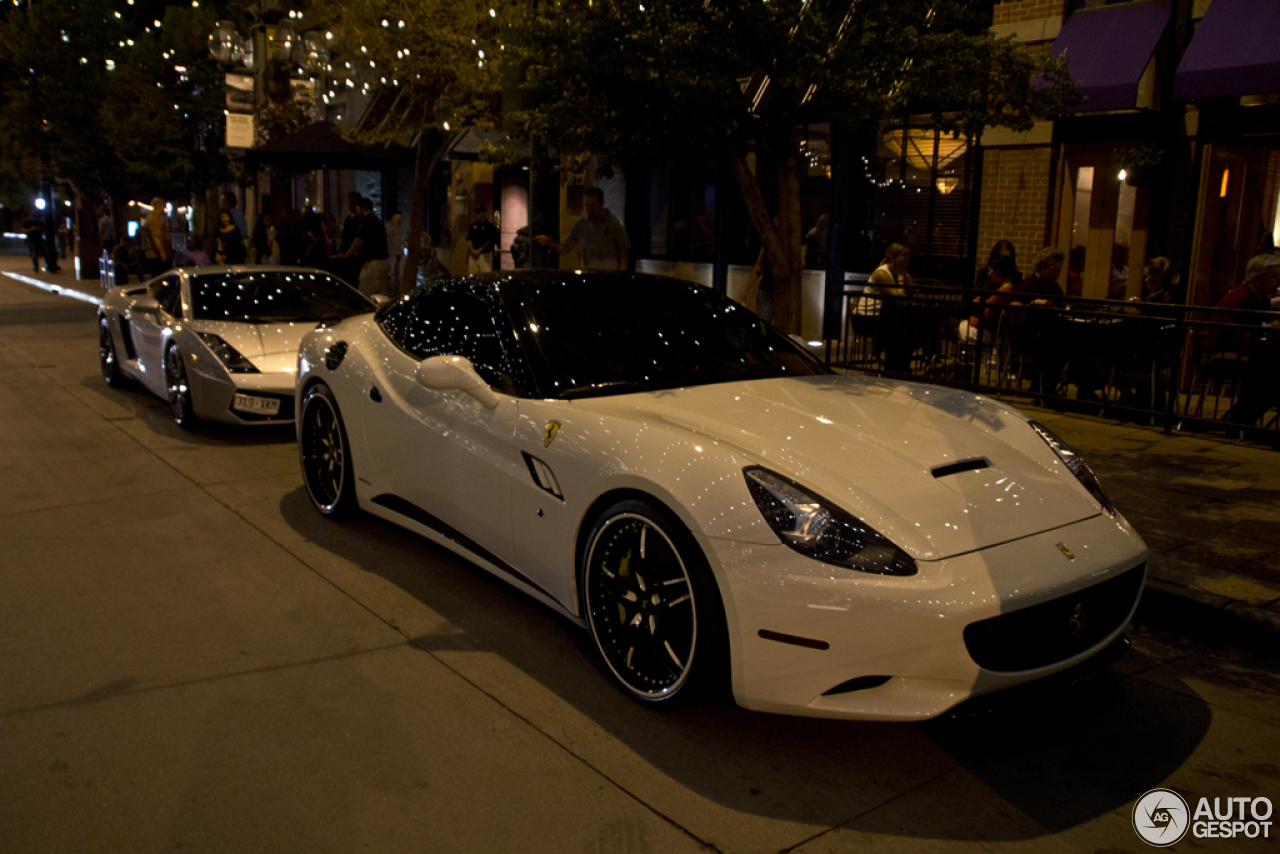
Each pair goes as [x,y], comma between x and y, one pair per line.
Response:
[283,40]
[226,45]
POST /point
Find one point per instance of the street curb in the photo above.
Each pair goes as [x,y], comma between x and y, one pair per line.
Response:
[1193,613]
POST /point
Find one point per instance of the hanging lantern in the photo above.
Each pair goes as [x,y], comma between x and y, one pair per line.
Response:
[946,183]
[222,42]
[284,38]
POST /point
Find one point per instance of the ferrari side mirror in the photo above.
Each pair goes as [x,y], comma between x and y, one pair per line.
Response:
[443,373]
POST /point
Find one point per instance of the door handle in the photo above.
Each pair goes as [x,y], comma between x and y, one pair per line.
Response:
[375,395]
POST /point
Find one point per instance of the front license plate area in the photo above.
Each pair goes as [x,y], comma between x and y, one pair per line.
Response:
[256,405]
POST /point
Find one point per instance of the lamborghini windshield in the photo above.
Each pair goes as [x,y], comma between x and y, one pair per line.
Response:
[265,296]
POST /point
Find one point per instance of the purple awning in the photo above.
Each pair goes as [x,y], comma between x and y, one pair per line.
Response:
[1107,50]
[1235,51]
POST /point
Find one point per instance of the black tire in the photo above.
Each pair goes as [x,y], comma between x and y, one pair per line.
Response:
[652,606]
[175,380]
[325,454]
[107,355]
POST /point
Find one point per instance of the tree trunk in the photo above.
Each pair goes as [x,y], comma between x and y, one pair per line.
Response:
[788,295]
[780,234]
[424,166]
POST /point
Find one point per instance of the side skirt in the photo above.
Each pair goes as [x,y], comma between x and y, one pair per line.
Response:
[398,510]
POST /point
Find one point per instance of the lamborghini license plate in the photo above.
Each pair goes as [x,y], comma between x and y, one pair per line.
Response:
[256,405]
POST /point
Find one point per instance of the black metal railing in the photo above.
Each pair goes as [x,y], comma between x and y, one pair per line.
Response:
[1182,367]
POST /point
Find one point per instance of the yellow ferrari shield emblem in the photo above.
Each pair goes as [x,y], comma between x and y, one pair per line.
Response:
[549,432]
[1062,547]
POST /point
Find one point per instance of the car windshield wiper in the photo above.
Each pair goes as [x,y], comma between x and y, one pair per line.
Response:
[605,389]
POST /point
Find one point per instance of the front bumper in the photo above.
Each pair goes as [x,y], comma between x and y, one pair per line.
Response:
[213,395]
[895,648]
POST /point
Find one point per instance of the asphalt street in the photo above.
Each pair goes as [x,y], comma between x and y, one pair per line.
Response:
[191,658]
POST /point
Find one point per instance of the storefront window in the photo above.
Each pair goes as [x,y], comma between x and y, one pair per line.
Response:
[923,179]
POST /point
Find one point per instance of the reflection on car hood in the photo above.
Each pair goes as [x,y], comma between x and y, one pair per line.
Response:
[871,446]
[255,340]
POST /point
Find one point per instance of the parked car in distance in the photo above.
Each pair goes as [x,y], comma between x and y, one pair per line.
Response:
[220,343]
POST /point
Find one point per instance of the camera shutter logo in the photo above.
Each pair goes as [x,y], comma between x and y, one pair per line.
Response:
[1161,817]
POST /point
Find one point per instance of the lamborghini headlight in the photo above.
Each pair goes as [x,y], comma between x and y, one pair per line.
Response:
[818,529]
[228,355]
[1076,465]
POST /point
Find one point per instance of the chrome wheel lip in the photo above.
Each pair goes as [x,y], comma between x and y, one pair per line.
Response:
[106,350]
[179,388]
[328,464]
[641,693]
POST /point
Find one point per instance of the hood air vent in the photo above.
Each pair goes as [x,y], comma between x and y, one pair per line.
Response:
[963,465]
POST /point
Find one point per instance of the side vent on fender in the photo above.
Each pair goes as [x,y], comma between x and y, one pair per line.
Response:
[542,475]
[126,335]
[335,354]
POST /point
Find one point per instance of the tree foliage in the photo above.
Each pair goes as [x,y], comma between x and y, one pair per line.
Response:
[433,67]
[119,98]
[638,82]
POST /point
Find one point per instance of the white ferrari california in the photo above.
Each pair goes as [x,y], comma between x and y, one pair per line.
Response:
[219,343]
[714,505]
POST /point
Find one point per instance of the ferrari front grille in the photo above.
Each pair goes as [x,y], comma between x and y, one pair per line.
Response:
[1056,630]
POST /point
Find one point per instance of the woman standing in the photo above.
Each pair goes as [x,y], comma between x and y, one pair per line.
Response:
[228,242]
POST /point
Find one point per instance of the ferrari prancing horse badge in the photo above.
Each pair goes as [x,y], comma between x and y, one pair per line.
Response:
[549,432]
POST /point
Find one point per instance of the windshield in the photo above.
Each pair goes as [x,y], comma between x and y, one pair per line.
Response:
[606,333]
[274,296]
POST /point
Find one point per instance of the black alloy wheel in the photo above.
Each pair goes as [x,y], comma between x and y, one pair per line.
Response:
[107,355]
[324,453]
[175,379]
[652,605]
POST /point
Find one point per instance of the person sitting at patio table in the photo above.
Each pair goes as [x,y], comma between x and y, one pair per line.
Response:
[1038,335]
[1004,276]
[897,335]
[1260,384]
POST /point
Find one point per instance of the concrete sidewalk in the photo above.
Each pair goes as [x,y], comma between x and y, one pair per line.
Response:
[1208,507]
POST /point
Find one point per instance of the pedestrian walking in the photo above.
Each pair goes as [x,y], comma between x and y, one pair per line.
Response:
[264,240]
[64,238]
[158,246]
[482,239]
[369,251]
[35,241]
[107,229]
[395,254]
[228,241]
[521,246]
[228,203]
[599,236]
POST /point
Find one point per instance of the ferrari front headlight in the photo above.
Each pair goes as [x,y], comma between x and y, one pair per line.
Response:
[1076,465]
[228,355]
[818,529]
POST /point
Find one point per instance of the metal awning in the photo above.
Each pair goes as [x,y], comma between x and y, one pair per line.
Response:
[1235,51]
[322,146]
[1108,49]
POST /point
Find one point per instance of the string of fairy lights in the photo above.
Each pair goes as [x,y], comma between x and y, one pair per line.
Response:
[312,51]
